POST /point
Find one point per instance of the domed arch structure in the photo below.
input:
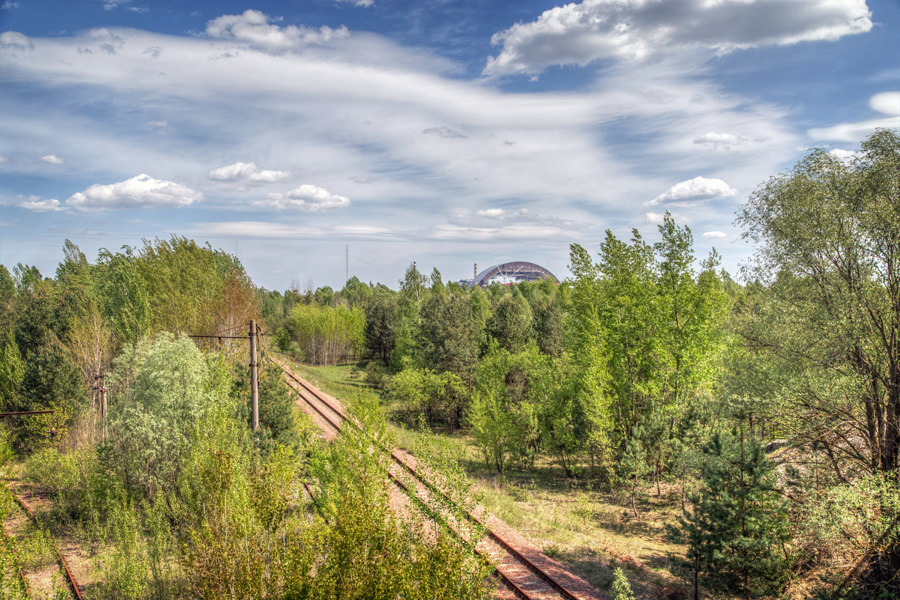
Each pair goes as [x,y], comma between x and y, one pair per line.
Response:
[516,271]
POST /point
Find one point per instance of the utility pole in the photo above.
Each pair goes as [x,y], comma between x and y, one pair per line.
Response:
[100,378]
[254,376]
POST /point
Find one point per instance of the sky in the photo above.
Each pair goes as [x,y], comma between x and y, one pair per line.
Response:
[317,138]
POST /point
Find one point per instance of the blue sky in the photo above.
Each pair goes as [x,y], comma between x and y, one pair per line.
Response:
[447,132]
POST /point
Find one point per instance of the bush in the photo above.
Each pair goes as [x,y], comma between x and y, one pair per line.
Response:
[438,398]
[150,432]
[378,375]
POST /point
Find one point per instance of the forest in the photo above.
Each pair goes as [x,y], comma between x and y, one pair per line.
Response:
[764,404]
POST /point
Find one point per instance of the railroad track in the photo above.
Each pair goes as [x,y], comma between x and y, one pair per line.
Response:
[64,566]
[525,571]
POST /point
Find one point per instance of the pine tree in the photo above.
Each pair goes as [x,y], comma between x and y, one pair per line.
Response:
[738,523]
[621,586]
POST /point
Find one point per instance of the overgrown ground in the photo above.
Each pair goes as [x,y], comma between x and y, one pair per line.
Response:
[588,528]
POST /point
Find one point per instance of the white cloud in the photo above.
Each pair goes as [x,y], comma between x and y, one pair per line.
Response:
[517,231]
[719,140]
[306,197]
[52,159]
[138,192]
[595,29]
[843,155]
[3,159]
[654,218]
[241,172]
[714,234]
[853,132]
[499,213]
[696,189]
[887,103]
[256,29]
[36,204]
[267,230]
[15,40]
[8,5]
[366,3]
[111,4]
[158,124]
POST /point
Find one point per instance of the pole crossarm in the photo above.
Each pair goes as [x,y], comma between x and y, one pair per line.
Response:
[26,412]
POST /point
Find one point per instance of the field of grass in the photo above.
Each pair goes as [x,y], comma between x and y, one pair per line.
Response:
[588,528]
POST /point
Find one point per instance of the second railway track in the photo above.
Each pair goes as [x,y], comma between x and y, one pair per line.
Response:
[71,583]
[525,571]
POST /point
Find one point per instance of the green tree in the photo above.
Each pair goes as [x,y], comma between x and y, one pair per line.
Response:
[74,269]
[438,398]
[123,293]
[510,325]
[324,295]
[621,586]
[51,381]
[192,288]
[634,464]
[505,415]
[828,331]
[7,298]
[7,285]
[547,324]
[584,341]
[645,327]
[437,286]
[413,293]
[739,523]
[448,337]
[831,233]
[326,335]
[12,371]
[169,398]
[492,426]
[277,423]
[381,320]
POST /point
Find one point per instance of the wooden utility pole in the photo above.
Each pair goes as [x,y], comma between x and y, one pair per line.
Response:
[254,376]
[100,386]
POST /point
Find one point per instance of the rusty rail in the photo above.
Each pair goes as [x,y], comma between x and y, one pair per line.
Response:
[73,585]
[18,569]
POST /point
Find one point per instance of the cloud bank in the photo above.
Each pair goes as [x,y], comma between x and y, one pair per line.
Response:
[241,172]
[578,34]
[138,192]
[694,190]
[306,197]
[260,32]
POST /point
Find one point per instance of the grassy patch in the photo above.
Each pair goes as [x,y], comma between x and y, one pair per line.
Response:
[341,381]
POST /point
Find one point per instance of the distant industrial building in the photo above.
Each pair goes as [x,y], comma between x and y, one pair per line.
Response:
[509,273]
